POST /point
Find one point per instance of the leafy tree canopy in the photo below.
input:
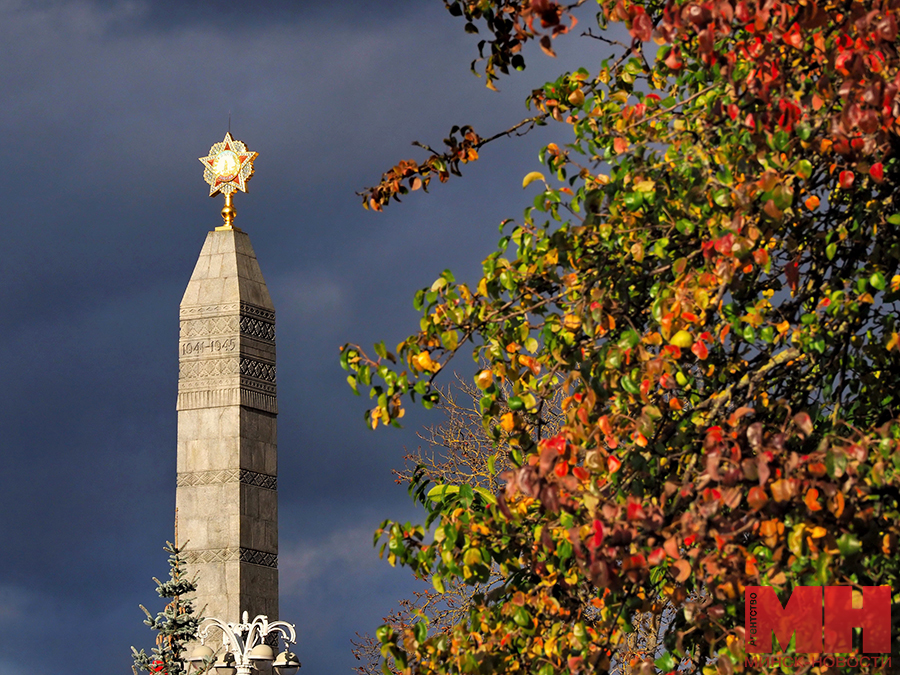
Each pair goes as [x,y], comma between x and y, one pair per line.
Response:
[710,271]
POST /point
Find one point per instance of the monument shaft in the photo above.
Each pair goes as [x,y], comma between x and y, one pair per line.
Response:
[227,461]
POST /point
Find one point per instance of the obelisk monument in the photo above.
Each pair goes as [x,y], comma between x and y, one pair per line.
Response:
[226,495]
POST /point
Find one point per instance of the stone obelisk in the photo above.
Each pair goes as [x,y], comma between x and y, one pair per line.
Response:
[226,495]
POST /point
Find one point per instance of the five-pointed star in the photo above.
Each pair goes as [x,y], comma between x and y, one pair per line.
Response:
[228,166]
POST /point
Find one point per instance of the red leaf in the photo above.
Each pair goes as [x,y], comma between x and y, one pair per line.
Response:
[792,272]
[877,172]
[597,539]
[846,179]
[793,37]
[642,26]
[635,511]
[673,60]
[700,350]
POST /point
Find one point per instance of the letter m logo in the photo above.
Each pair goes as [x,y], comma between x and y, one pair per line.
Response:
[802,616]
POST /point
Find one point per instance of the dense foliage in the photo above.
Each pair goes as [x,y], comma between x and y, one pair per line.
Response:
[176,625]
[711,272]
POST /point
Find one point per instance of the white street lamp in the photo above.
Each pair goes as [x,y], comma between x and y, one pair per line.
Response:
[244,646]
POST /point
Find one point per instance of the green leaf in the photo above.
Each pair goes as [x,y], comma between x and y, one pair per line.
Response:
[383,633]
[472,557]
[848,544]
[450,340]
[485,493]
[381,350]
[685,227]
[633,200]
[877,281]
[666,662]
[438,492]
[438,582]
[804,169]
[629,385]
[522,617]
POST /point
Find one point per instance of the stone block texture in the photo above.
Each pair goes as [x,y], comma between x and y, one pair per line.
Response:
[227,463]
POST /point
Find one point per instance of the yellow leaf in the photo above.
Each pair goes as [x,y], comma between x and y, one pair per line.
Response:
[531,177]
[423,361]
[484,378]
[571,322]
[508,422]
[682,339]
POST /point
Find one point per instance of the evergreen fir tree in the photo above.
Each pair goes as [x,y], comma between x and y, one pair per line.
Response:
[176,625]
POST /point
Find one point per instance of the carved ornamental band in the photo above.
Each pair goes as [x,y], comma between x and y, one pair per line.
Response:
[219,477]
[221,555]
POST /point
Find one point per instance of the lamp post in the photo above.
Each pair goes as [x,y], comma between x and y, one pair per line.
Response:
[244,646]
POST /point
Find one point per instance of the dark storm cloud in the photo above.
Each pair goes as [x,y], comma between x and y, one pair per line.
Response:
[104,108]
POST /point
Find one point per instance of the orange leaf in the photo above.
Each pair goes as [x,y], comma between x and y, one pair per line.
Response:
[836,504]
[684,570]
[604,425]
[769,528]
[812,496]
[783,490]
[757,498]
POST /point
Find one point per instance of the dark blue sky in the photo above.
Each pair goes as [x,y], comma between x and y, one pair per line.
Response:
[106,107]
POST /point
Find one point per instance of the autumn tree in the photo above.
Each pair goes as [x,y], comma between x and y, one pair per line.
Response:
[457,451]
[710,271]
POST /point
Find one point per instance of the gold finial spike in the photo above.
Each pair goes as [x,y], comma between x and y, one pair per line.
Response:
[227,168]
[228,215]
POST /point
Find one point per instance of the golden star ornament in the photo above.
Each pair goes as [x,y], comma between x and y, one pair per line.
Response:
[228,166]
